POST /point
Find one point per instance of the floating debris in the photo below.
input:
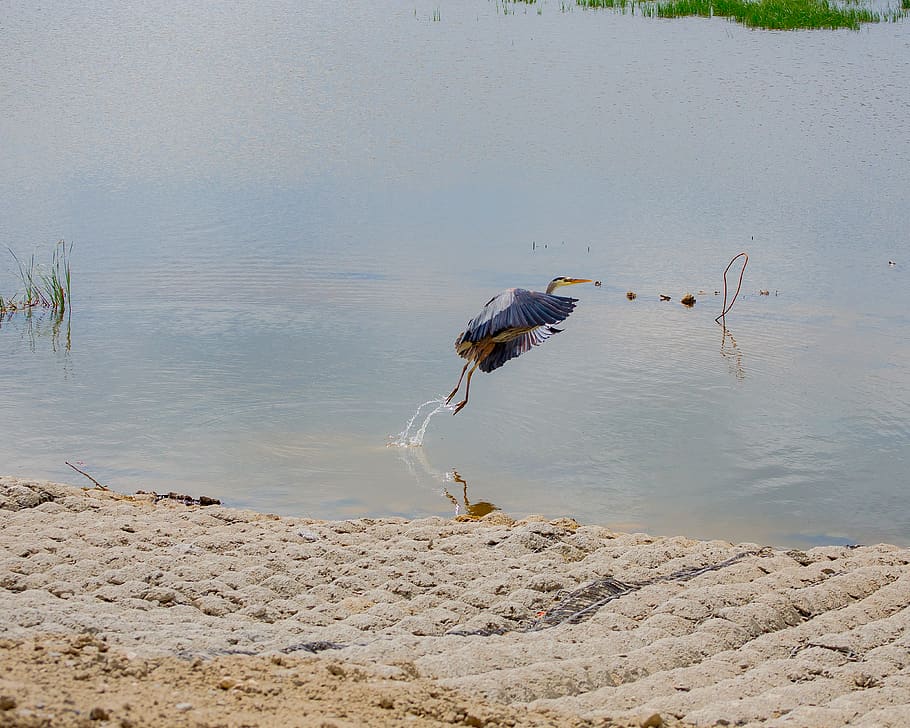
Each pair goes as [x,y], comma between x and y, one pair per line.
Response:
[187,500]
[631,295]
[764,292]
[688,300]
[664,298]
[598,284]
[892,263]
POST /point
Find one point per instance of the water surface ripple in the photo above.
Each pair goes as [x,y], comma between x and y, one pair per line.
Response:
[283,217]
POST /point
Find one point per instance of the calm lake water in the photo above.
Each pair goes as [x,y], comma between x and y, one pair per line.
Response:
[284,213]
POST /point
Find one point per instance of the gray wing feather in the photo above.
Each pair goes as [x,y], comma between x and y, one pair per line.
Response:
[517,308]
[506,350]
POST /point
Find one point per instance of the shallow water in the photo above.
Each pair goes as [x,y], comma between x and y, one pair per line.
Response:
[283,216]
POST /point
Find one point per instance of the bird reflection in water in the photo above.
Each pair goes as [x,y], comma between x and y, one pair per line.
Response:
[415,459]
[472,511]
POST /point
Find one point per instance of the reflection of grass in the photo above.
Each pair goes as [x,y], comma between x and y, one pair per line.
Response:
[772,14]
[46,324]
[42,286]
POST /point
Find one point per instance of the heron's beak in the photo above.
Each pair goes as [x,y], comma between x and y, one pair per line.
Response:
[562,281]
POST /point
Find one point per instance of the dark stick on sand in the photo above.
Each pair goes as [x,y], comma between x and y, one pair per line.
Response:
[82,472]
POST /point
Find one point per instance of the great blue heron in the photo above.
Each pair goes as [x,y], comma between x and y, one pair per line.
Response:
[508,325]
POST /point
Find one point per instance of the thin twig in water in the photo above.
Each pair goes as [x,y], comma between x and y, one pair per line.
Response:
[727,308]
[82,472]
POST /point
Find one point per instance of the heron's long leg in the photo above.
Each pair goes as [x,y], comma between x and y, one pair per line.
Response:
[467,364]
[467,389]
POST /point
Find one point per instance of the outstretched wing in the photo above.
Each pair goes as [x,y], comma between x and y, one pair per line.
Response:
[517,308]
[506,350]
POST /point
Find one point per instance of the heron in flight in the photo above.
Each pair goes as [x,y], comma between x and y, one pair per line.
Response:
[509,325]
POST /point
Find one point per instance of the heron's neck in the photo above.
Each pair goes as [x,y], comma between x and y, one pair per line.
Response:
[552,287]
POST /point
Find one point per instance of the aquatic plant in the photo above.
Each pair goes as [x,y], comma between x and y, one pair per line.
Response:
[42,286]
[774,14]
[503,6]
[769,14]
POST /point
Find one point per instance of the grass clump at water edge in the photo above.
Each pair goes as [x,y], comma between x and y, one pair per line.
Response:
[43,286]
[769,14]
[773,14]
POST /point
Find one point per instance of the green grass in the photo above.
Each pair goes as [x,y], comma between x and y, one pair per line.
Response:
[43,286]
[769,14]
[773,14]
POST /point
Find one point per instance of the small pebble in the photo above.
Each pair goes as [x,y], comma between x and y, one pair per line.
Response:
[99,713]
[183,707]
[226,683]
[7,702]
[652,721]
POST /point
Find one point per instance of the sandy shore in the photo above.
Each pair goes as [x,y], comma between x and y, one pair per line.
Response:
[121,611]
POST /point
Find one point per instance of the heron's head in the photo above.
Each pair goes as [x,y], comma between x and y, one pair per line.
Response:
[560,281]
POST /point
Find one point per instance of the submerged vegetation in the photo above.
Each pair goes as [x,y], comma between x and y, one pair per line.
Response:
[768,14]
[43,286]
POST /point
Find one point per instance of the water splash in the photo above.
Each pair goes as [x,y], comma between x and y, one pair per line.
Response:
[406,438]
